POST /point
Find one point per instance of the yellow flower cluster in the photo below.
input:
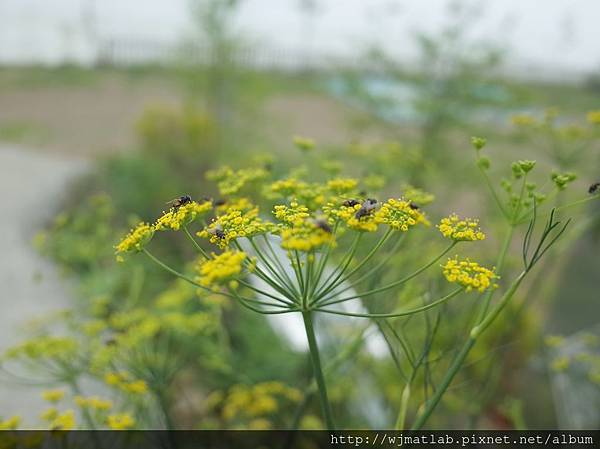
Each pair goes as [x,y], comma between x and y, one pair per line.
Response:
[232,225]
[53,395]
[123,381]
[469,274]
[305,235]
[304,143]
[399,215]
[10,423]
[230,181]
[137,238]
[594,117]
[49,414]
[220,268]
[63,421]
[418,196]
[242,204]
[48,347]
[341,186]
[348,214]
[461,230]
[93,402]
[311,194]
[292,214]
[523,120]
[183,215]
[253,403]
[121,421]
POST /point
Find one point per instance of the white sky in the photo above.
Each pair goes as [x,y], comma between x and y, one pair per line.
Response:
[558,34]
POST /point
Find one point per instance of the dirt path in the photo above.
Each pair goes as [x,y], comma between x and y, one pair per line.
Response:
[32,185]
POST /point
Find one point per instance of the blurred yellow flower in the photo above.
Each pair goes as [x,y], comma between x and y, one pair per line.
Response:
[10,423]
[64,421]
[122,421]
[53,395]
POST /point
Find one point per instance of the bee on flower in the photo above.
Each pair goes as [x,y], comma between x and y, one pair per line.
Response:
[232,225]
[400,215]
[182,215]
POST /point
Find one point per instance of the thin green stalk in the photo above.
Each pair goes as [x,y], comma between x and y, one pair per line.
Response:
[191,281]
[171,270]
[377,267]
[493,191]
[277,261]
[339,270]
[393,284]
[317,370]
[395,314]
[283,285]
[499,266]
[265,277]
[198,247]
[298,270]
[322,264]
[403,407]
[464,352]
[261,292]
[373,251]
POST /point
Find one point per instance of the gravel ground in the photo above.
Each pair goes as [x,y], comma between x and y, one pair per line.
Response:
[32,185]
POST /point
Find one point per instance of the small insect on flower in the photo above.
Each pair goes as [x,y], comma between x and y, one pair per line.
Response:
[322,224]
[413,206]
[594,188]
[176,203]
[350,203]
[217,231]
[367,208]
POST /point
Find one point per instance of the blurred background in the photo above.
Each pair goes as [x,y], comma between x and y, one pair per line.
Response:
[110,108]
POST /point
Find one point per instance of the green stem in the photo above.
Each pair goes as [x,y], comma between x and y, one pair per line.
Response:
[317,370]
[464,352]
[389,286]
[395,314]
[403,407]
[499,266]
[198,247]
[330,282]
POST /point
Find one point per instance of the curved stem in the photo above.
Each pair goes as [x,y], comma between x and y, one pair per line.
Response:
[278,262]
[395,314]
[393,284]
[333,277]
[216,292]
[462,355]
[370,255]
[259,291]
[198,247]
[280,281]
[493,192]
[499,266]
[317,370]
